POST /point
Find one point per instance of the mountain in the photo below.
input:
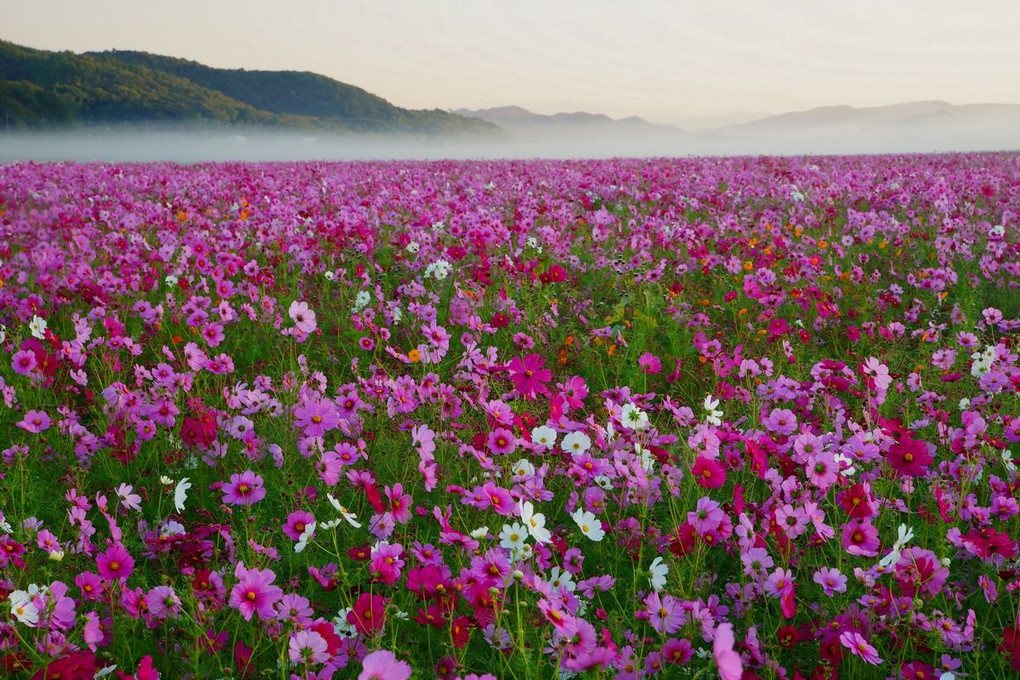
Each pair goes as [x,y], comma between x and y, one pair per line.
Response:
[522,123]
[910,126]
[697,123]
[41,89]
[910,115]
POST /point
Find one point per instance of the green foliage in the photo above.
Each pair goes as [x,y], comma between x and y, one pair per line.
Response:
[46,89]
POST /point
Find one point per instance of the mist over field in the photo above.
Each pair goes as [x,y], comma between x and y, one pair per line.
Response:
[197,145]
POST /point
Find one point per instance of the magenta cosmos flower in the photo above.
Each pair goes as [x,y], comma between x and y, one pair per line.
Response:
[254,593]
[384,665]
[23,362]
[528,376]
[244,489]
[116,564]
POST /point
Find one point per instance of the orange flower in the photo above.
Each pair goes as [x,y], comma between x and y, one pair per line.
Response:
[414,355]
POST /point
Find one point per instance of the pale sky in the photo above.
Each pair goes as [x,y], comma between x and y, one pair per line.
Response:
[664,61]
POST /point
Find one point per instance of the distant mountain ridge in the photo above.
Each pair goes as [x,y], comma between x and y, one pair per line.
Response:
[45,89]
[520,121]
[917,115]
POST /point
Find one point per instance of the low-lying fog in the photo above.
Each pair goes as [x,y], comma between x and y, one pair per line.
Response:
[189,146]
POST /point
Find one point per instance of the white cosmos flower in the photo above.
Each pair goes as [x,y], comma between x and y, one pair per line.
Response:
[589,524]
[543,435]
[904,534]
[657,573]
[559,578]
[347,514]
[523,468]
[38,327]
[171,281]
[633,417]
[23,609]
[714,415]
[305,536]
[576,443]
[480,533]
[181,494]
[647,457]
[513,536]
[534,521]
[342,627]
[849,470]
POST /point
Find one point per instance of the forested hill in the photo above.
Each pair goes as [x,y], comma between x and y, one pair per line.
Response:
[40,89]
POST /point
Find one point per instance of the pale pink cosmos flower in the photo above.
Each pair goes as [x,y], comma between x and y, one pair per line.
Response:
[727,660]
[303,317]
[384,665]
[856,643]
[831,581]
[307,647]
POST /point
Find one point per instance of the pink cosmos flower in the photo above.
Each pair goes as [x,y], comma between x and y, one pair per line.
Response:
[909,457]
[308,647]
[706,516]
[499,499]
[711,474]
[303,317]
[727,660]
[23,362]
[650,363]
[384,665]
[528,376]
[296,523]
[163,602]
[502,441]
[400,503]
[877,371]
[778,583]
[860,537]
[315,417]
[368,614]
[212,333]
[254,592]
[35,422]
[386,562]
[244,489]
[831,581]
[781,421]
[664,613]
[856,643]
[115,563]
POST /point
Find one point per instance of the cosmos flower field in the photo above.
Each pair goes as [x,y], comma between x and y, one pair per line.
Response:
[741,417]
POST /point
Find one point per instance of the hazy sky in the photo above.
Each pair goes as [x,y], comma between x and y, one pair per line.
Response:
[663,60]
